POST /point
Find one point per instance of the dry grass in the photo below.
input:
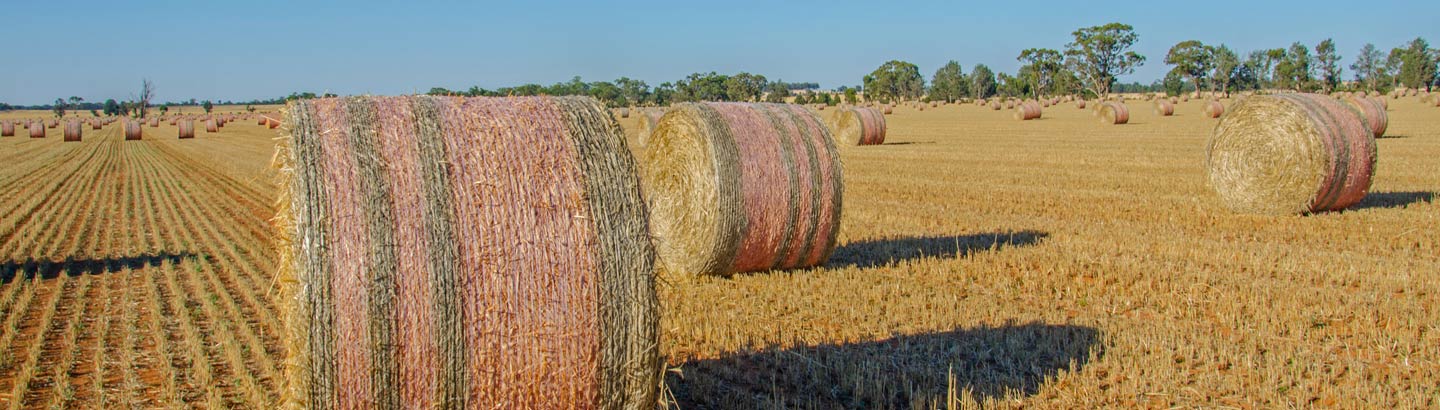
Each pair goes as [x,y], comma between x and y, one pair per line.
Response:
[1054,263]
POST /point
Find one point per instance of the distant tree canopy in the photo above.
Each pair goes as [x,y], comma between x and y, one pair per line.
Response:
[1100,54]
[949,83]
[1191,59]
[1042,67]
[895,80]
[982,82]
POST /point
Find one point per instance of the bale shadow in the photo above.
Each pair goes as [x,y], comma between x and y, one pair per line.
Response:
[72,267]
[900,372]
[883,252]
[1386,200]
[908,143]
[1391,137]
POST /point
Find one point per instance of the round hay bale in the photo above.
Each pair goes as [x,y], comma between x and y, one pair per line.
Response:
[187,129]
[7,129]
[1028,110]
[37,129]
[820,108]
[857,126]
[51,124]
[1009,105]
[72,131]
[1080,104]
[95,124]
[1291,154]
[741,187]
[1213,109]
[1376,119]
[1114,113]
[1164,108]
[212,125]
[648,121]
[458,252]
[259,120]
[889,110]
[155,122]
[132,130]
[624,112]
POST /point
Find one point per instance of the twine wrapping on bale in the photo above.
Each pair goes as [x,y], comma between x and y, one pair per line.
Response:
[1164,108]
[187,129]
[37,129]
[132,130]
[1114,113]
[212,126]
[7,129]
[857,126]
[1214,109]
[742,187]
[1371,110]
[449,252]
[1291,154]
[72,131]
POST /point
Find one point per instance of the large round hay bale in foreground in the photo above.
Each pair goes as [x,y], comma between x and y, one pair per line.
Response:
[1213,109]
[741,187]
[1027,110]
[187,128]
[448,252]
[7,129]
[132,130]
[1114,113]
[1291,154]
[857,126]
[37,129]
[72,131]
[1373,112]
[1164,108]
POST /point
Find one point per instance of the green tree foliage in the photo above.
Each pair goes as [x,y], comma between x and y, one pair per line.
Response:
[1010,86]
[663,94]
[59,107]
[1041,69]
[635,91]
[949,83]
[744,87]
[1192,59]
[982,82]
[111,107]
[701,87]
[1417,64]
[776,92]
[1327,60]
[851,97]
[1369,68]
[608,94]
[208,106]
[1226,67]
[1293,71]
[1174,82]
[439,91]
[1100,54]
[802,98]
[895,80]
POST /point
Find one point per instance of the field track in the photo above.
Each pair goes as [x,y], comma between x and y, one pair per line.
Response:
[1053,263]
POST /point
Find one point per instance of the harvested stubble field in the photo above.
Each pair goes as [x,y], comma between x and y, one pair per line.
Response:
[1052,263]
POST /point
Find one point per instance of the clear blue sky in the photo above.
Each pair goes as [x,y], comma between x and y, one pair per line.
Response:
[262,49]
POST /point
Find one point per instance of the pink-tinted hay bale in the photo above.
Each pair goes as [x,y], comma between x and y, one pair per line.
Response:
[1164,108]
[1214,109]
[1291,154]
[1080,104]
[260,120]
[1027,110]
[37,129]
[1371,110]
[132,130]
[187,129]
[741,187]
[95,123]
[857,126]
[72,131]
[1009,104]
[51,124]
[448,252]
[212,125]
[1114,113]
[7,129]
[155,122]
[995,105]
[889,110]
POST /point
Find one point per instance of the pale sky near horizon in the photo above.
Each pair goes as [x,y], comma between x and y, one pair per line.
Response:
[265,49]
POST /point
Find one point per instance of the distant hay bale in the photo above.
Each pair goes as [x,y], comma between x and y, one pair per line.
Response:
[132,130]
[1371,110]
[1009,104]
[624,112]
[72,131]
[155,122]
[7,129]
[463,252]
[1214,109]
[648,120]
[857,126]
[1164,108]
[259,120]
[1080,103]
[741,187]
[995,105]
[95,124]
[212,125]
[888,110]
[272,121]
[1291,154]
[1114,113]
[187,129]
[37,129]
[51,124]
[1028,110]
